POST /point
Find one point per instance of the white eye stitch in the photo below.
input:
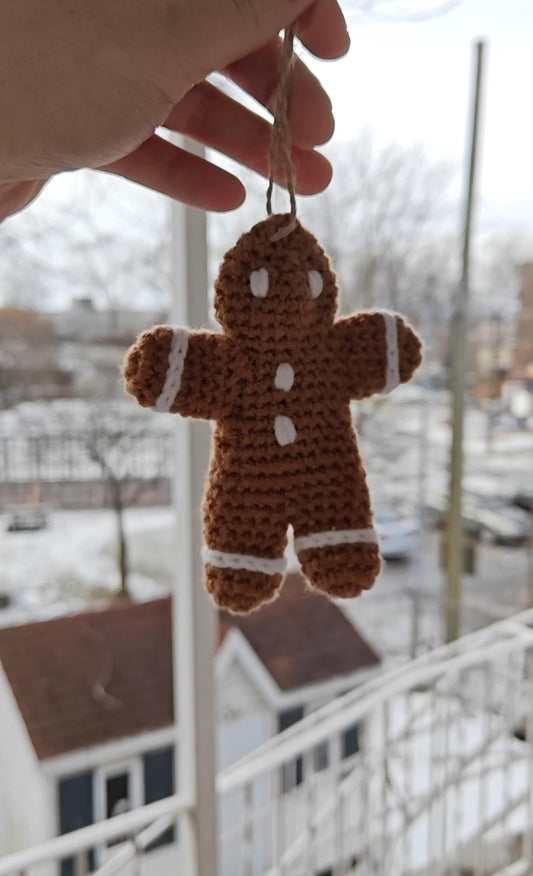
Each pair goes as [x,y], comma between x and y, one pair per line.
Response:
[316,283]
[259,283]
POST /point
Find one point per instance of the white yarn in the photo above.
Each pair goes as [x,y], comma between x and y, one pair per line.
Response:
[335,537]
[316,283]
[223,560]
[284,430]
[284,377]
[259,283]
[392,372]
[176,361]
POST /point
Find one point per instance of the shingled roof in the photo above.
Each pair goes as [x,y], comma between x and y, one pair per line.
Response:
[90,678]
[303,638]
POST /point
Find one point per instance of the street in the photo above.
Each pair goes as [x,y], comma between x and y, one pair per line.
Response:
[385,614]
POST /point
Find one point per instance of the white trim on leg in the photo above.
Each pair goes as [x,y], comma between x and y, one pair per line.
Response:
[176,362]
[392,370]
[224,560]
[334,537]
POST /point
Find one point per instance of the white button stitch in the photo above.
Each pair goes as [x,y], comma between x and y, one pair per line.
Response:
[284,430]
[284,377]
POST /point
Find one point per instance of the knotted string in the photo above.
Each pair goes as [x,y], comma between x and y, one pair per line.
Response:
[280,159]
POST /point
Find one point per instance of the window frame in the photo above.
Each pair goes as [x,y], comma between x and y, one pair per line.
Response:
[134,768]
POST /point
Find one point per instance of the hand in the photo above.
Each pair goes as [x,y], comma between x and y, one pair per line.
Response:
[87,84]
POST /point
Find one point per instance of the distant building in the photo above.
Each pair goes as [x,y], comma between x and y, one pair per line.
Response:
[518,387]
[87,708]
[93,343]
[522,366]
[82,321]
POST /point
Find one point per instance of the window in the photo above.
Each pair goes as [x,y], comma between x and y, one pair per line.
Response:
[292,774]
[117,789]
[350,741]
[117,794]
[159,783]
[76,810]
[321,757]
[109,791]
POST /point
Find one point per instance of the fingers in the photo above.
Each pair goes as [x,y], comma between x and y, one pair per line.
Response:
[161,166]
[310,116]
[249,24]
[16,196]
[322,29]
[214,119]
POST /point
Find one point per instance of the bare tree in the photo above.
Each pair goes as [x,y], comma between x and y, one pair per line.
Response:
[385,209]
[128,450]
[109,242]
[110,439]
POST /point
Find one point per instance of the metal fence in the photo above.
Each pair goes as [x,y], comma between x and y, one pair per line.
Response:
[67,458]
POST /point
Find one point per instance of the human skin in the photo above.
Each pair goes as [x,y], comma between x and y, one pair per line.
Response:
[87,85]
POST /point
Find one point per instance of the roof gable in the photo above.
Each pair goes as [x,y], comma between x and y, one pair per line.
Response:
[303,638]
[87,679]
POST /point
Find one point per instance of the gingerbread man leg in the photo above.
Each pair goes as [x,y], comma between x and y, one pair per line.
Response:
[333,534]
[245,535]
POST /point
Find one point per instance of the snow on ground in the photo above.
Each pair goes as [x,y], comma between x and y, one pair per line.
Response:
[73,561]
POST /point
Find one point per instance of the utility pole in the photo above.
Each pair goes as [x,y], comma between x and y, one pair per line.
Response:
[454,536]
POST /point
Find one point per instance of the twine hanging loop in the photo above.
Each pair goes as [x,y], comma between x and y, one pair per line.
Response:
[280,160]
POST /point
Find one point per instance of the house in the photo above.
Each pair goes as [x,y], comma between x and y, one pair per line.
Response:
[84,322]
[86,706]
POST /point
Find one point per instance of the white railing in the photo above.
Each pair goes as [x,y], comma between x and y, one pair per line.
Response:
[442,783]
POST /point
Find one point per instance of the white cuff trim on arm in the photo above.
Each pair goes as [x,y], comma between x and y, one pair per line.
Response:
[176,361]
[392,370]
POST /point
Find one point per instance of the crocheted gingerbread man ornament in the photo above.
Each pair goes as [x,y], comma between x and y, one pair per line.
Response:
[278,382]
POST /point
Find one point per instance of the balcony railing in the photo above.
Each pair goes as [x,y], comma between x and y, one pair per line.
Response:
[441,783]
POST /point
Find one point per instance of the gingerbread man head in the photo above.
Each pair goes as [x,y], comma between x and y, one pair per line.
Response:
[287,283]
[278,382]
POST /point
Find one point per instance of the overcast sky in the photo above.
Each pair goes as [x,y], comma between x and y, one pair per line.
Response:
[409,81]
[403,80]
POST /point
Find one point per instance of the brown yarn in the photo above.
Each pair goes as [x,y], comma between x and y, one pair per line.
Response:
[257,487]
[280,159]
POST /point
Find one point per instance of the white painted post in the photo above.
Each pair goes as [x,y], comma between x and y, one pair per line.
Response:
[193,617]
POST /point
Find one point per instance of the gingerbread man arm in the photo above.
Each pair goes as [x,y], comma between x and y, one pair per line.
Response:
[178,370]
[375,352]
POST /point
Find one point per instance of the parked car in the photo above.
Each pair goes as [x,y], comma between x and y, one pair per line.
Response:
[436,509]
[487,517]
[499,521]
[397,536]
[24,518]
[523,499]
